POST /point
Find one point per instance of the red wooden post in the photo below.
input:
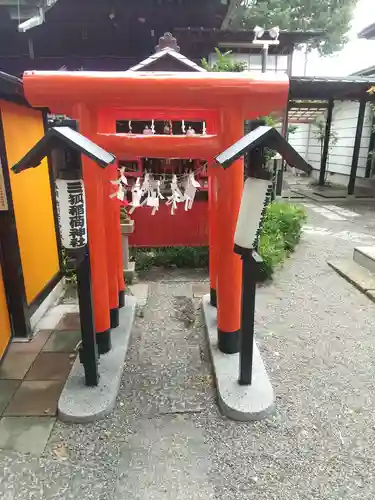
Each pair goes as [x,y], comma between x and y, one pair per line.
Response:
[212,232]
[229,277]
[107,124]
[110,230]
[120,267]
[93,177]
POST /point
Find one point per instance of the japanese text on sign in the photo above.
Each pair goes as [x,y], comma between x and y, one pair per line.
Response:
[71,206]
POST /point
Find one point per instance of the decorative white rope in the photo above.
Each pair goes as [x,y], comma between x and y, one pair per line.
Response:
[183,186]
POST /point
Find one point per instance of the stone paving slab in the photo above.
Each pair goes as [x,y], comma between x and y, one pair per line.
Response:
[165,458]
[365,257]
[32,346]
[63,341]
[16,365]
[70,321]
[35,398]
[355,274]
[7,390]
[25,434]
[79,403]
[53,316]
[51,366]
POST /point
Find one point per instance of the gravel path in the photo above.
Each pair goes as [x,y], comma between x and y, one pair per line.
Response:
[166,438]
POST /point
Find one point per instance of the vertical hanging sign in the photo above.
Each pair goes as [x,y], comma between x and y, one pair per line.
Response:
[71,205]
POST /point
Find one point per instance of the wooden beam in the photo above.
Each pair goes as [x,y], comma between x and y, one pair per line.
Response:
[357,145]
[327,134]
[371,148]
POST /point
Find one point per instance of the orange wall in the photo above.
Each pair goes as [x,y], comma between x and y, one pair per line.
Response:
[31,192]
[5,331]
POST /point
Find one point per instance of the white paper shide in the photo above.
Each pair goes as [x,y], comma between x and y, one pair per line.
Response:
[71,208]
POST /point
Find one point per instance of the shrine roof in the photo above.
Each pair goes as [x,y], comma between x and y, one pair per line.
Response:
[60,90]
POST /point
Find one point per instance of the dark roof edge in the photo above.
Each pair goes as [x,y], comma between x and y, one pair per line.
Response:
[368,32]
[363,72]
[335,79]
[11,89]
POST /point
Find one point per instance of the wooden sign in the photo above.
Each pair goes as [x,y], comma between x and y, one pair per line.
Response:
[71,205]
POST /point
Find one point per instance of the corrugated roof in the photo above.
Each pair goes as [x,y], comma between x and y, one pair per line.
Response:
[366,72]
[305,111]
[340,88]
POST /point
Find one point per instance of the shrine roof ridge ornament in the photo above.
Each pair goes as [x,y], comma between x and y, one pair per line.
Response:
[60,138]
[167,41]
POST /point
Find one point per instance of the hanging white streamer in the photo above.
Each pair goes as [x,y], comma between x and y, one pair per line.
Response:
[176,197]
[121,184]
[123,179]
[136,195]
[154,196]
[183,187]
[146,183]
[191,187]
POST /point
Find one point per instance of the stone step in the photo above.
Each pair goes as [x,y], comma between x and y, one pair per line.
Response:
[365,257]
[357,275]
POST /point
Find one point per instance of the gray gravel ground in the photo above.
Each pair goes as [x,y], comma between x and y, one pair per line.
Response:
[166,438]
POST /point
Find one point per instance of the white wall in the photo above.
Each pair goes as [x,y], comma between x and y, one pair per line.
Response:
[253,62]
[300,139]
[344,123]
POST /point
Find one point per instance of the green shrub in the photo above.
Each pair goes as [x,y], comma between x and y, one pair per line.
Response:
[187,257]
[280,234]
[70,274]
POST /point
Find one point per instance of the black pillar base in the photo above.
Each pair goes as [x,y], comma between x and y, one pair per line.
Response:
[103,341]
[229,342]
[114,318]
[121,298]
[213,297]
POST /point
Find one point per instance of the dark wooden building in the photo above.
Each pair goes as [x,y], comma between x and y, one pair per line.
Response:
[117,34]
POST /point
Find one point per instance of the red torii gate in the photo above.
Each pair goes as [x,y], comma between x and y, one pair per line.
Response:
[223,100]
